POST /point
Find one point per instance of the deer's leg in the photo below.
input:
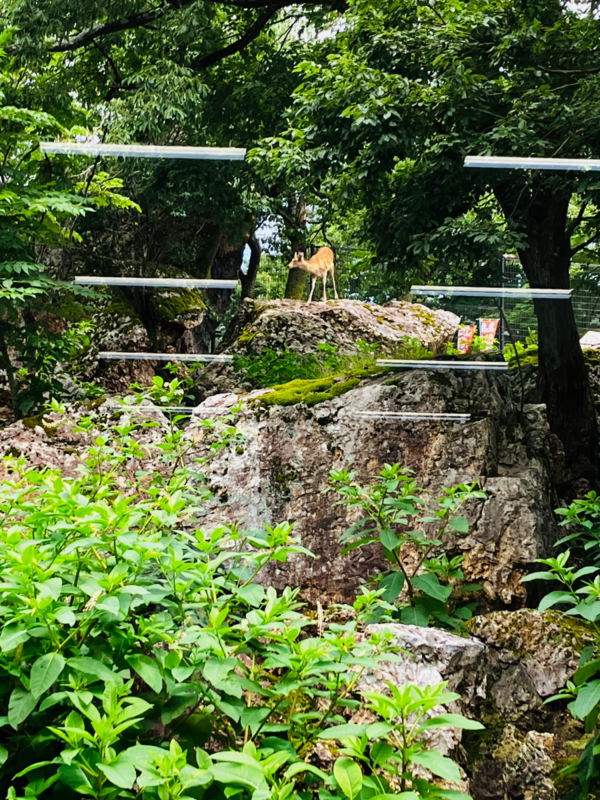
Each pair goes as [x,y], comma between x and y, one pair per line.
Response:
[324,298]
[337,297]
[313,281]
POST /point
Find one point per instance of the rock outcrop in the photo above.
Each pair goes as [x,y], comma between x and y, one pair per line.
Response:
[504,671]
[293,325]
[290,451]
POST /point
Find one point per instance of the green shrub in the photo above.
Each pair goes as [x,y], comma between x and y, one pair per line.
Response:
[140,658]
[395,515]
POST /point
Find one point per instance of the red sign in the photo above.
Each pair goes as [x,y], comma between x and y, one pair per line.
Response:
[488,328]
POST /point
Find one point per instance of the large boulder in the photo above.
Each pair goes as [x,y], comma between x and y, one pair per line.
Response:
[290,450]
[297,326]
[504,670]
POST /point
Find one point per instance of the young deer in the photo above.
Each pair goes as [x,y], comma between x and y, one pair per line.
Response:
[318,266]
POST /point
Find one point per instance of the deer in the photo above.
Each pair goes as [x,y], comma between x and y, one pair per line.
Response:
[318,266]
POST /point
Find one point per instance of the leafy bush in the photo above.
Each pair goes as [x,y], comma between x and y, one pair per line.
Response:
[579,595]
[139,657]
[527,352]
[395,515]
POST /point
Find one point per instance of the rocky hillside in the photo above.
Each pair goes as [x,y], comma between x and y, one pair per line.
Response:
[512,658]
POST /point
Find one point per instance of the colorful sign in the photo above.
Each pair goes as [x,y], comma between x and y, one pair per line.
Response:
[465,337]
[488,328]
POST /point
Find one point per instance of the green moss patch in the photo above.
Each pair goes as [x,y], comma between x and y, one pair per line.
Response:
[309,392]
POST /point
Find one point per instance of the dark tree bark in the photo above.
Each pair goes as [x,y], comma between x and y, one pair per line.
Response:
[563,383]
[248,279]
[295,219]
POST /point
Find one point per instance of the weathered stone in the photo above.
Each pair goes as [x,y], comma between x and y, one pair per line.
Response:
[519,767]
[297,326]
[291,450]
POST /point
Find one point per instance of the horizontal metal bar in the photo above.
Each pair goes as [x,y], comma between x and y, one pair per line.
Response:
[144,151]
[157,283]
[170,409]
[500,291]
[116,356]
[411,363]
[412,415]
[515,162]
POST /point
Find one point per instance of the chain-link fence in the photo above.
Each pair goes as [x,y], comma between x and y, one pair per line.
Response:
[585,299]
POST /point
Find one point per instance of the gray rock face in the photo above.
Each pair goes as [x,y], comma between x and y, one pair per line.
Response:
[290,451]
[515,661]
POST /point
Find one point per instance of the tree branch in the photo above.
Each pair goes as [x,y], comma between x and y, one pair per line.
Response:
[85,37]
[571,227]
[585,244]
[251,33]
[115,26]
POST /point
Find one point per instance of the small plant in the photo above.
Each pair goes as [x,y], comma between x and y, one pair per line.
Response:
[396,516]
[387,751]
[579,595]
[527,352]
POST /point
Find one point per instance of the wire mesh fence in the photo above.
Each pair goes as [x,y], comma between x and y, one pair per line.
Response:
[585,299]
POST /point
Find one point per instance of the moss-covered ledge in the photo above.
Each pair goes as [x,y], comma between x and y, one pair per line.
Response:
[309,392]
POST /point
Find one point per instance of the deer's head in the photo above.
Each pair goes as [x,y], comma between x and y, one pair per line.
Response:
[297,261]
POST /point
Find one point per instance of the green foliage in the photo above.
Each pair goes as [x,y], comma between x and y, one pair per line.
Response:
[276,368]
[478,344]
[396,516]
[527,352]
[38,212]
[131,637]
[579,595]
[390,749]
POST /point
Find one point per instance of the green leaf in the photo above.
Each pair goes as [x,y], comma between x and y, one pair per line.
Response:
[75,778]
[147,668]
[12,636]
[95,668]
[20,706]
[552,598]
[303,766]
[587,698]
[3,754]
[456,720]
[341,731]
[120,773]
[414,615]
[349,777]
[585,672]
[459,524]
[430,585]
[44,672]
[388,539]
[438,764]
[242,774]
[393,584]
[253,593]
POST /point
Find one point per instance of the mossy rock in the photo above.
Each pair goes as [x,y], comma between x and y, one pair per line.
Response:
[179,304]
[247,336]
[310,392]
[39,420]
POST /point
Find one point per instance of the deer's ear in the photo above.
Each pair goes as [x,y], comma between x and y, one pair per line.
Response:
[301,256]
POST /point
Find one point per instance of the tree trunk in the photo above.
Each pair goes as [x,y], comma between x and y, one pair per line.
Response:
[248,279]
[563,383]
[294,288]
[295,218]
